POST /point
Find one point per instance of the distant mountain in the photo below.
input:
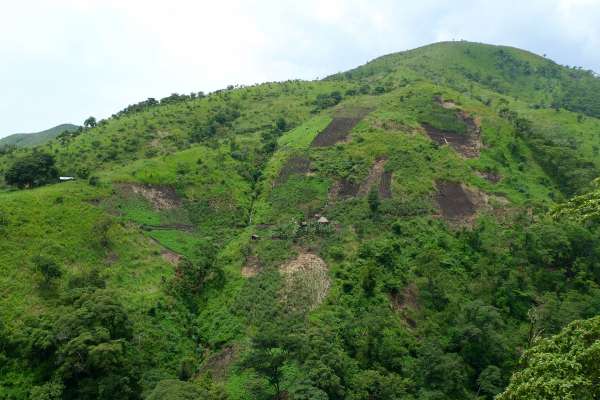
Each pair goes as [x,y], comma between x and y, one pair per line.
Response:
[37,138]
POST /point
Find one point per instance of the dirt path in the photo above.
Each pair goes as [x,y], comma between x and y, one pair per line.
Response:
[374,177]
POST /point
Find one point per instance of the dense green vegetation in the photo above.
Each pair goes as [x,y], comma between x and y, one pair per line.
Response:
[219,247]
[564,366]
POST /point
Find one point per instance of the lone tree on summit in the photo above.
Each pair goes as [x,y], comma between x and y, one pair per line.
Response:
[33,170]
[90,122]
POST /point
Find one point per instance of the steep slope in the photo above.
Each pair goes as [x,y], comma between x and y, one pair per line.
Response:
[38,138]
[383,233]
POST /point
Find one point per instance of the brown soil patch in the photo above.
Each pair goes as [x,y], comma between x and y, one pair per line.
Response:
[454,202]
[306,279]
[468,144]
[459,203]
[294,165]
[252,267]
[339,128]
[161,197]
[218,363]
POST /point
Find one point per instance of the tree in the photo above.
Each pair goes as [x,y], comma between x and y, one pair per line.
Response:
[281,124]
[90,122]
[565,366]
[373,200]
[49,269]
[267,358]
[93,348]
[33,170]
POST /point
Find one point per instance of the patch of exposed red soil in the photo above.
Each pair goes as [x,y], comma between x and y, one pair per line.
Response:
[467,144]
[161,197]
[339,128]
[294,165]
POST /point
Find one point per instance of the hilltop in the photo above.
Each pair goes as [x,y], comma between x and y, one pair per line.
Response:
[37,138]
[404,229]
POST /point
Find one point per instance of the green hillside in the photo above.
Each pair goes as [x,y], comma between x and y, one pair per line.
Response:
[403,230]
[36,139]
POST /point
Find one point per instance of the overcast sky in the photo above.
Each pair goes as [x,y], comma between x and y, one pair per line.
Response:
[64,60]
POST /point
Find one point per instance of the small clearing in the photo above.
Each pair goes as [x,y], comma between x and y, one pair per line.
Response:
[161,197]
[468,145]
[252,267]
[306,280]
[339,128]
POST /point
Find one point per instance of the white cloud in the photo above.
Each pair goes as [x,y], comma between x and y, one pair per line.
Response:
[63,60]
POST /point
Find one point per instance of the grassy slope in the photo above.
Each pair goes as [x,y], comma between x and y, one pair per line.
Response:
[38,138]
[153,147]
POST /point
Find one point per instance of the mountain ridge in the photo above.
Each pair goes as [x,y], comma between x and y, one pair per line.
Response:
[401,230]
[36,138]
